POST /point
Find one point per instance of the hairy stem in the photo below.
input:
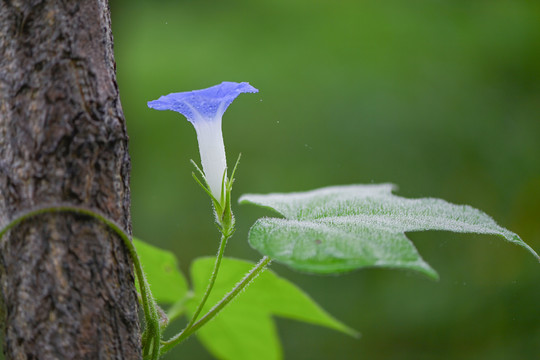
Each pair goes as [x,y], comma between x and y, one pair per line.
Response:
[211,282]
[248,278]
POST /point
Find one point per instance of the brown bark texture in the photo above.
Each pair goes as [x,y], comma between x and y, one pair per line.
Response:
[66,280]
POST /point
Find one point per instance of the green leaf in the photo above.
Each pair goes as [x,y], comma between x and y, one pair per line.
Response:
[167,283]
[245,330]
[342,228]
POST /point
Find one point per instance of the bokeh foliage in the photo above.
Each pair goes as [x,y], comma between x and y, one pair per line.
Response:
[439,97]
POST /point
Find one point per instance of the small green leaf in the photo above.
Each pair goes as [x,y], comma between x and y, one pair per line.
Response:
[342,228]
[167,283]
[245,330]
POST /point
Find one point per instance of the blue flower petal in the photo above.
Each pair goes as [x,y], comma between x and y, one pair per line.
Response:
[206,104]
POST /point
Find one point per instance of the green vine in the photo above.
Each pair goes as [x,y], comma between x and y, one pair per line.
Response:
[152,345]
[151,337]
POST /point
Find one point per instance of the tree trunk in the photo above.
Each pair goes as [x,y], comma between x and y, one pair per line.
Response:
[66,280]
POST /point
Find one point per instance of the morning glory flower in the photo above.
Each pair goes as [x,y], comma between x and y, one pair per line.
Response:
[204,109]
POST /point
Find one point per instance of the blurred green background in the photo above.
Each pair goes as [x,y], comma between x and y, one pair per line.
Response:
[439,97]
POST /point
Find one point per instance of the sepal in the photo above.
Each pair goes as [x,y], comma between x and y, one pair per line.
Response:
[222,208]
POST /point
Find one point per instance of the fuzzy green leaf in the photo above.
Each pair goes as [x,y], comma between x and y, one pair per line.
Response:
[342,228]
[245,329]
[167,283]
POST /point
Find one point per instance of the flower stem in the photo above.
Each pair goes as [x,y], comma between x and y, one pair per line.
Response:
[152,335]
[248,278]
[211,282]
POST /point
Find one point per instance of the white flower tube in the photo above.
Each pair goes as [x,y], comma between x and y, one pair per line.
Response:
[212,151]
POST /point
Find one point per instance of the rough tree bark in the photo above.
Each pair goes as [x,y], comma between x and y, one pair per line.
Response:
[66,280]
